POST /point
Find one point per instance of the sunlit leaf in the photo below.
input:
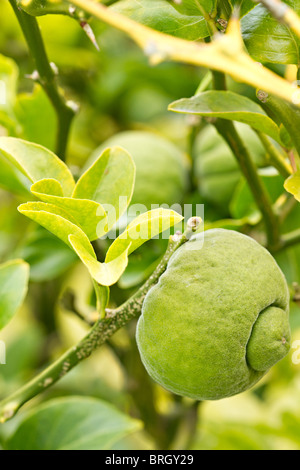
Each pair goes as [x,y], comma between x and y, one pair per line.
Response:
[142,229]
[72,423]
[36,162]
[110,182]
[89,215]
[105,274]
[292,185]
[13,288]
[57,221]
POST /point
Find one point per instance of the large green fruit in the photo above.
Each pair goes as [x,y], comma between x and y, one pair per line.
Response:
[217,320]
[161,168]
[216,169]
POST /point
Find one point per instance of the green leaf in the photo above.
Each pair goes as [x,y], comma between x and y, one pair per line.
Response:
[105,274]
[72,423]
[29,108]
[244,5]
[268,40]
[183,20]
[13,288]
[89,215]
[36,162]
[292,185]
[228,105]
[109,181]
[142,229]
[57,221]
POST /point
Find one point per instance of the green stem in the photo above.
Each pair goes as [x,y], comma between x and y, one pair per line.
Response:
[288,115]
[47,78]
[227,130]
[98,335]
[276,158]
[290,239]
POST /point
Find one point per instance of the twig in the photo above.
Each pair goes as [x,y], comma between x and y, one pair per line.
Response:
[46,77]
[290,239]
[226,53]
[101,332]
[276,158]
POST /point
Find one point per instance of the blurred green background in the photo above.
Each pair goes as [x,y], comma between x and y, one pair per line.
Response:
[118,91]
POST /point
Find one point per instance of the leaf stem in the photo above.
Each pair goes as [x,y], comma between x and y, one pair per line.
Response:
[46,77]
[97,336]
[227,130]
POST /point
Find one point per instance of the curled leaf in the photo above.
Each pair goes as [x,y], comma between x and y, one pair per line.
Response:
[105,274]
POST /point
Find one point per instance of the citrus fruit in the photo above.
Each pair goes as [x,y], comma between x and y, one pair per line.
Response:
[217,320]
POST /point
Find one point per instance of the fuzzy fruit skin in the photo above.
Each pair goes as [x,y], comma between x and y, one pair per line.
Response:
[218,318]
[161,169]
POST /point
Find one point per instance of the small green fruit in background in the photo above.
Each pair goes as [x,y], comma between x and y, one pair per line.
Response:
[216,169]
[161,168]
[217,321]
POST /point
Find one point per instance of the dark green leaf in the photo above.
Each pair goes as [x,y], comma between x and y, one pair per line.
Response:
[72,423]
[228,105]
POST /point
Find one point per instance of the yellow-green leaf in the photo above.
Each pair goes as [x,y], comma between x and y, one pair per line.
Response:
[110,182]
[89,215]
[292,185]
[36,162]
[57,221]
[142,229]
[105,274]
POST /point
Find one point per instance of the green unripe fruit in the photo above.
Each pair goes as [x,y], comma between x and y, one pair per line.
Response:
[161,169]
[217,320]
[217,171]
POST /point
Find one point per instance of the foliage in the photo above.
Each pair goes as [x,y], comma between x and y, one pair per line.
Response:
[204,111]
